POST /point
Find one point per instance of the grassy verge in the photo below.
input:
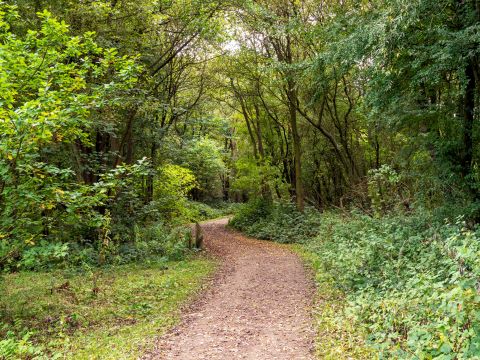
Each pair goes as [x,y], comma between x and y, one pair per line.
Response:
[112,314]
[337,338]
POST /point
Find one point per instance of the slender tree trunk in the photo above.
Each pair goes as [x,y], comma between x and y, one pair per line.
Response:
[150,177]
[292,97]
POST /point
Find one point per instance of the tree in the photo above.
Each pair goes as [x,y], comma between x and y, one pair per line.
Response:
[52,86]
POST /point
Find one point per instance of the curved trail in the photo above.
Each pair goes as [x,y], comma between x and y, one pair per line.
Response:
[258,306]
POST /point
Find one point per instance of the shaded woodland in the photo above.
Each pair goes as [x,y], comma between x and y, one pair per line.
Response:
[121,121]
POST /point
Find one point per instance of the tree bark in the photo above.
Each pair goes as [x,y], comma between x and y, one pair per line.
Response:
[468,119]
[297,149]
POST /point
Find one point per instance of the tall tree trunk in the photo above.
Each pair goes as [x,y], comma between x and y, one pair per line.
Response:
[297,149]
[468,119]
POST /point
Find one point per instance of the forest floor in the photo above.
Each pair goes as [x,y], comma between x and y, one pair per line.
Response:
[257,307]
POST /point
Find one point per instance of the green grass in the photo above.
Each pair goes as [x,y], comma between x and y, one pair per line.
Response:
[336,339]
[130,306]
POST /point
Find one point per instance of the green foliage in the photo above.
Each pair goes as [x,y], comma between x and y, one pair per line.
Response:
[197,211]
[367,103]
[337,337]
[51,84]
[383,189]
[280,222]
[171,189]
[13,347]
[253,178]
[157,239]
[205,159]
[175,180]
[410,283]
[415,75]
[252,212]
[123,204]
[43,255]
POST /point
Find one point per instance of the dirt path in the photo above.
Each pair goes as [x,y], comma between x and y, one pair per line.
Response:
[257,308]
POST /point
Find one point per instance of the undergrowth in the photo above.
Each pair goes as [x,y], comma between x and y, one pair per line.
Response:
[83,299]
[121,244]
[280,222]
[408,283]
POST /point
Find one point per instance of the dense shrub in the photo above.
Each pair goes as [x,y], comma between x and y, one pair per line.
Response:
[250,213]
[161,240]
[44,255]
[193,211]
[411,282]
[148,241]
[277,222]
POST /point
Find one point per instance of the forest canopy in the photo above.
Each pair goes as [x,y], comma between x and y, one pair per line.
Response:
[359,104]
